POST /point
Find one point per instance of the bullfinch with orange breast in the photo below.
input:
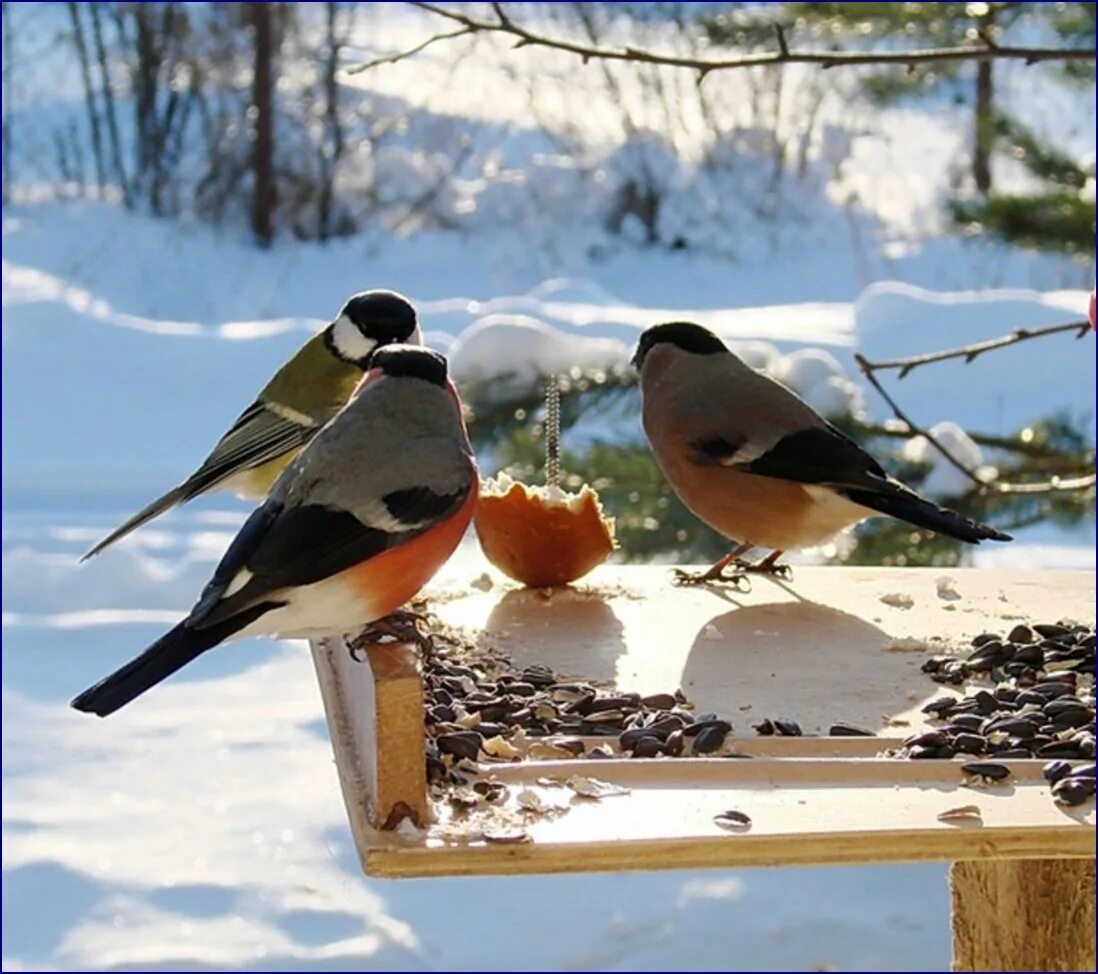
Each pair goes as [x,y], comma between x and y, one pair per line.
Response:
[354,527]
[756,463]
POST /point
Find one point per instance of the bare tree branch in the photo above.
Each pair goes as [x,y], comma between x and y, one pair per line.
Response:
[1054,484]
[525,37]
[971,352]
[916,430]
[411,52]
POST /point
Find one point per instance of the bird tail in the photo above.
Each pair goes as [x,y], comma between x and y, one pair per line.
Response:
[174,496]
[909,506]
[171,652]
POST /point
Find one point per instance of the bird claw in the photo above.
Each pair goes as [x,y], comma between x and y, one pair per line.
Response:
[401,626]
[765,567]
[737,579]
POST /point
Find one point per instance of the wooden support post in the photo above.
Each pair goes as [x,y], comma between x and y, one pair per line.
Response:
[375,716]
[1023,915]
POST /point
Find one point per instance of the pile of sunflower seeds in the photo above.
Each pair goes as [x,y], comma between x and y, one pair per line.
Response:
[482,707]
[1037,701]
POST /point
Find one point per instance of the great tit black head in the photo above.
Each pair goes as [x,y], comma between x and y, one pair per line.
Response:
[371,319]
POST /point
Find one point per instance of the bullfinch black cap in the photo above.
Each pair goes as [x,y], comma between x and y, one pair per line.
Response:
[683,334]
[410,361]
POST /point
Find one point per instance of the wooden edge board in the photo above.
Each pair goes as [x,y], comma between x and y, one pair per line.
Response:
[700,770]
[878,801]
[721,851]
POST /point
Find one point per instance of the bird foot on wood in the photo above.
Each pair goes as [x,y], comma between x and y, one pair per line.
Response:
[767,567]
[737,579]
[400,626]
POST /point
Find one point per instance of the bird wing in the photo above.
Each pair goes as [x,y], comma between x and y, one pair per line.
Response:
[820,455]
[826,457]
[263,432]
[389,467]
[281,548]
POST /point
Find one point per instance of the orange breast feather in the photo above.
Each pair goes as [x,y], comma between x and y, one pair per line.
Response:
[389,580]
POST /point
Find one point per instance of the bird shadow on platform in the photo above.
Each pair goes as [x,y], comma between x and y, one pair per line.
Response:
[584,641]
[801,661]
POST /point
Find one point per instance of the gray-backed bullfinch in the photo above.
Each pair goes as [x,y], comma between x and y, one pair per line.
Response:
[755,462]
[301,397]
[353,529]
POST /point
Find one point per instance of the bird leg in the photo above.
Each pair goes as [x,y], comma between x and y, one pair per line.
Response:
[401,626]
[768,566]
[716,573]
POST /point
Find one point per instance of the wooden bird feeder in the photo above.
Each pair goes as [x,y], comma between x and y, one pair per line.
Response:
[824,650]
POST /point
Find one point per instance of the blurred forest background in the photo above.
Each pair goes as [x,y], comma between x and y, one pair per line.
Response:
[244,116]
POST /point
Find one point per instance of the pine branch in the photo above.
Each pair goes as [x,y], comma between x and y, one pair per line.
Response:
[525,37]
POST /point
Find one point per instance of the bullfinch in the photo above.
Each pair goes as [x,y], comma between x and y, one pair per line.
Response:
[354,528]
[301,397]
[756,463]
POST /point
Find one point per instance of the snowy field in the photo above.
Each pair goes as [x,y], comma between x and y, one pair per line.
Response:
[205,830]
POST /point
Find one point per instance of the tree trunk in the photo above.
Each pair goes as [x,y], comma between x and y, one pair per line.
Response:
[984,118]
[263,190]
[331,146]
[9,95]
[108,106]
[89,94]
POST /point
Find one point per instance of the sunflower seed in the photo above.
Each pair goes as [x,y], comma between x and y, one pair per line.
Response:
[963,813]
[461,744]
[1055,770]
[710,738]
[1073,791]
[849,730]
[733,820]
[985,769]
[1020,634]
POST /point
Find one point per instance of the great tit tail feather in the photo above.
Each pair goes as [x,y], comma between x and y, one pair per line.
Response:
[174,496]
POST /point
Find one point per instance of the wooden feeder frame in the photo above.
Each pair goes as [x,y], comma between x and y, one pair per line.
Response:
[1022,878]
